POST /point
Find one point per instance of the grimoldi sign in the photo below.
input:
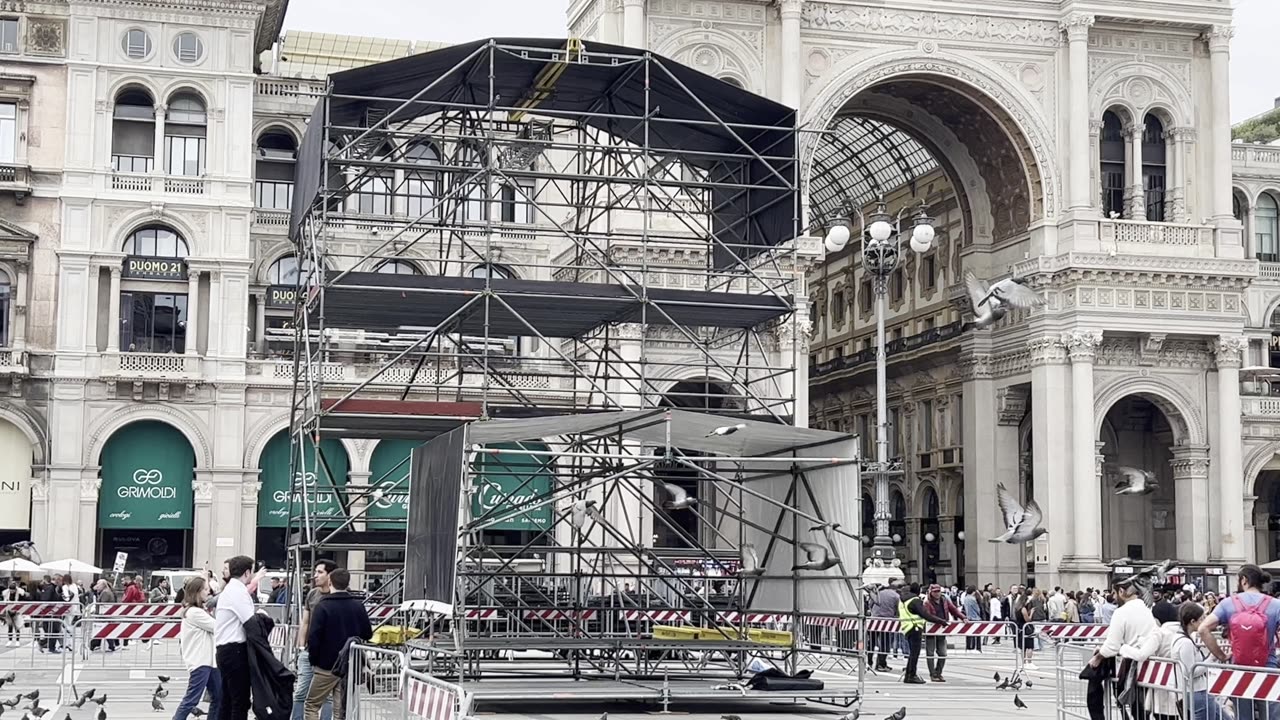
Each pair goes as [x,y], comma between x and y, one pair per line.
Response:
[282,296]
[151,268]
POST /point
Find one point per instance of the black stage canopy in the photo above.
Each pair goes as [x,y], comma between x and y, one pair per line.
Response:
[608,87]
[556,309]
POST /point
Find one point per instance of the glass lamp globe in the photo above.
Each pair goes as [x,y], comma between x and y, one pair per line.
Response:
[929,537]
[922,238]
[960,536]
[880,230]
[897,538]
[837,238]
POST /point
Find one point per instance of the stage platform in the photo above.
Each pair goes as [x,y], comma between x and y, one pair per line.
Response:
[838,692]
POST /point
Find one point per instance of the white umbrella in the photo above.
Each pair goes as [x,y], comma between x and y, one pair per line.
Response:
[71,565]
[19,565]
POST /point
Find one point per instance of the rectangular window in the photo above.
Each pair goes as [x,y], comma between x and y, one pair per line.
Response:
[274,195]
[928,273]
[837,307]
[926,426]
[186,155]
[895,286]
[927,324]
[420,196]
[5,303]
[374,196]
[153,322]
[515,204]
[8,35]
[8,132]
[1112,190]
[895,436]
[1153,185]
[866,436]
[865,295]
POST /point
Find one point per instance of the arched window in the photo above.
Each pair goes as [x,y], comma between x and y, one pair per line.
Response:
[1111,148]
[133,135]
[1153,168]
[733,81]
[497,272]
[1237,208]
[932,508]
[284,271]
[274,168]
[397,267]
[156,241]
[1266,218]
[184,135]
[421,186]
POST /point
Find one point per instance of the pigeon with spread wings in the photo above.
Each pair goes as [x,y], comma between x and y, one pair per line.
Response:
[1134,481]
[1022,523]
[991,303]
[750,566]
[819,558]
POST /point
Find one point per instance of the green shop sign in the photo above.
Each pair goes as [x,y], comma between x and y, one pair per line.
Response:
[321,493]
[500,486]
[389,472]
[147,471]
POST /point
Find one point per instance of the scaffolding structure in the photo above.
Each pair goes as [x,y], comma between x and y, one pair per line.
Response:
[531,228]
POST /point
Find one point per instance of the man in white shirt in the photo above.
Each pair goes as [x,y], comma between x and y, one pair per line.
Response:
[235,607]
[1057,606]
[1132,625]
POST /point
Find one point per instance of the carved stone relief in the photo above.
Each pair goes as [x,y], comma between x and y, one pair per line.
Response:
[941,26]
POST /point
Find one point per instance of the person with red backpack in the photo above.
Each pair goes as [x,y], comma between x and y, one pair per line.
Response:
[1251,618]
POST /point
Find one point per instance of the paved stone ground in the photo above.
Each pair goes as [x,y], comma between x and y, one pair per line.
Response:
[129,677]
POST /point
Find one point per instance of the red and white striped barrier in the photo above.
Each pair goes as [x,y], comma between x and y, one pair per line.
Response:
[132,610]
[658,616]
[483,614]
[428,701]
[1159,674]
[1245,684]
[830,621]
[1072,631]
[884,625]
[136,630]
[559,615]
[381,612]
[38,609]
[966,629]
[755,618]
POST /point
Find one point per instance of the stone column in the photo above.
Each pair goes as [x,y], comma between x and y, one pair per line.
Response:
[1095,164]
[1250,241]
[1135,198]
[1219,40]
[1076,26]
[193,312]
[792,75]
[204,550]
[21,287]
[1176,200]
[1051,456]
[260,324]
[1086,494]
[356,483]
[113,311]
[990,440]
[86,530]
[1190,467]
[158,163]
[633,23]
[793,341]
[40,514]
[1230,467]
[249,491]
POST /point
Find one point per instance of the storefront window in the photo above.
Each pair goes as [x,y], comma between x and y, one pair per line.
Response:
[146,503]
[153,322]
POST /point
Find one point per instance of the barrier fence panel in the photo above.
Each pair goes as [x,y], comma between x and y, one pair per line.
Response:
[1073,701]
[1249,691]
[1071,632]
[374,684]
[426,698]
[37,635]
[124,645]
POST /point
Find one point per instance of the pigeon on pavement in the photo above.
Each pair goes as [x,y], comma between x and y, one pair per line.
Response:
[102,713]
[163,678]
[1017,702]
[100,700]
[1022,524]
[899,715]
[40,711]
[157,705]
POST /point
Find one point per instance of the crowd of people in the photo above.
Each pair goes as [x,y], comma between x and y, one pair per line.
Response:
[224,636]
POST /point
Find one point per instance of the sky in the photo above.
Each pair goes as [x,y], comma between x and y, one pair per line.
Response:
[1255,52]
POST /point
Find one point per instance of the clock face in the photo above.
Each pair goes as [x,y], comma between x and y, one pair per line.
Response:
[158,547]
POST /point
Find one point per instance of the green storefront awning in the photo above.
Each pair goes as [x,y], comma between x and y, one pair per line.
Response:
[389,471]
[321,491]
[147,471]
[500,482]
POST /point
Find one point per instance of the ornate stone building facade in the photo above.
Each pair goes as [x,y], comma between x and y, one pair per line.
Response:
[1089,153]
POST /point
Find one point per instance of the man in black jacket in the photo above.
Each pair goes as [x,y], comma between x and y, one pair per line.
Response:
[338,617]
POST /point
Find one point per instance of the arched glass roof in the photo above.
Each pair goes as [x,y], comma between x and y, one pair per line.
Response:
[859,160]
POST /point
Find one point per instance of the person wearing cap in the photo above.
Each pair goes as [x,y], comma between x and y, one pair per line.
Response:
[913,614]
[935,649]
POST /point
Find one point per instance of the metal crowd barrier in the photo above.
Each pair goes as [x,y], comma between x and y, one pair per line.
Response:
[1072,700]
[42,634]
[426,698]
[1249,691]
[374,683]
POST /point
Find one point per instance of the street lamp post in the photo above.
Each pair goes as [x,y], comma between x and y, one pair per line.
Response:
[881,252]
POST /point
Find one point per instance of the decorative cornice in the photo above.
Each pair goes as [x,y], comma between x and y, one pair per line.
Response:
[89,488]
[1047,350]
[1011,405]
[883,22]
[1082,346]
[975,366]
[249,492]
[1076,25]
[1190,462]
[1227,350]
[1219,37]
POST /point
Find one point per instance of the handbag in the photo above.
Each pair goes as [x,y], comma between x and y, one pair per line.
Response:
[1092,672]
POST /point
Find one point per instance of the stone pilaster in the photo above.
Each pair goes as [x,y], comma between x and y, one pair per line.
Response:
[1190,466]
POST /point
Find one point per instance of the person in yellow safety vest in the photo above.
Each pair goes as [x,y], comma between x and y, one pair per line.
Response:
[914,615]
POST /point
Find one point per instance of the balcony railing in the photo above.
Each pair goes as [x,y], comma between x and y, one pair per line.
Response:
[15,179]
[13,362]
[151,366]
[1255,156]
[530,376]
[1260,407]
[1177,238]
[172,184]
[893,347]
[263,217]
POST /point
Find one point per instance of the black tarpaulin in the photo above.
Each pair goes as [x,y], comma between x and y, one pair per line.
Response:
[606,90]
[435,485]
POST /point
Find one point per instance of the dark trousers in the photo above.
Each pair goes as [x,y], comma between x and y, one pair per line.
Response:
[233,666]
[914,640]
[202,678]
[884,643]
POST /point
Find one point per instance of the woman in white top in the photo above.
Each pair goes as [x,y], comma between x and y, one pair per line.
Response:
[1189,654]
[196,640]
[12,620]
[1164,703]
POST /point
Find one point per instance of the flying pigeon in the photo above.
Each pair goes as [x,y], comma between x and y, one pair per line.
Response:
[1120,562]
[25,549]
[900,714]
[726,430]
[990,304]
[581,510]
[157,705]
[750,561]
[825,527]
[1022,523]
[680,499]
[163,678]
[1144,580]
[1134,481]
[1017,702]
[819,558]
